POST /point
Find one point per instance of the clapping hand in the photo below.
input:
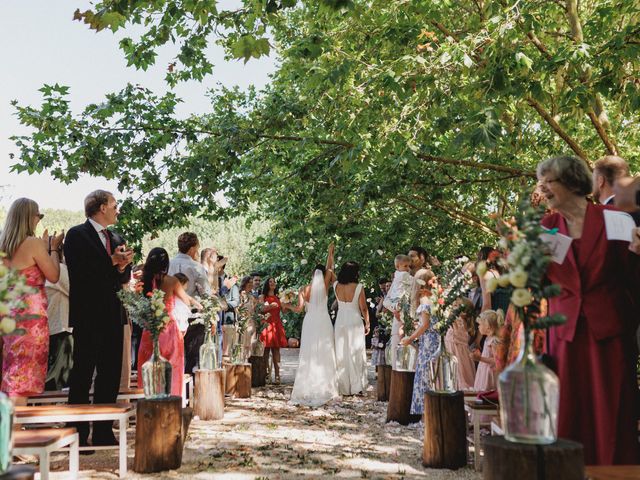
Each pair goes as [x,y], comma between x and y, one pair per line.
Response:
[634,246]
[405,341]
[122,257]
[53,242]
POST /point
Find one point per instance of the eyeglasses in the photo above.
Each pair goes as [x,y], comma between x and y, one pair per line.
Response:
[40,215]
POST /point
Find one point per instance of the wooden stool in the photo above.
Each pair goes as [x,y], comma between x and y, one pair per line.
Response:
[400,393]
[43,441]
[563,459]
[19,472]
[384,382]
[238,380]
[209,394]
[158,435]
[445,429]
[258,371]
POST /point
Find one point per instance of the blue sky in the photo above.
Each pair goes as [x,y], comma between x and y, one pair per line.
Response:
[40,43]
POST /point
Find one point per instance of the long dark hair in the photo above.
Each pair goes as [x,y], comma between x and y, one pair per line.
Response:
[155,268]
[265,287]
[349,272]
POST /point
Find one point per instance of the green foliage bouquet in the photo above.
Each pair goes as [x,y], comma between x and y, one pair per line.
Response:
[13,288]
[211,306]
[148,311]
[385,321]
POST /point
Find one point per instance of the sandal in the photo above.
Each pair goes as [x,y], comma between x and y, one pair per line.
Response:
[277,381]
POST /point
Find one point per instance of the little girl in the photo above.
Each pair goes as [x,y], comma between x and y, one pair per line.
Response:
[488,322]
[457,342]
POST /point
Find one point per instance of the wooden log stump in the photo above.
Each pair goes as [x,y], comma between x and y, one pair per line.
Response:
[158,435]
[258,371]
[445,431]
[187,416]
[399,408]
[209,394]
[384,382]
[238,380]
[503,459]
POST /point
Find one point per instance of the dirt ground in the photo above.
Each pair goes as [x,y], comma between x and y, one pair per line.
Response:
[265,437]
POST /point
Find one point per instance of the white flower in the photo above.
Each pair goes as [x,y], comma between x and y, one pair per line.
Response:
[7,325]
[380,252]
[481,269]
[521,297]
[518,278]
[492,284]
[504,281]
[299,245]
[303,261]
[4,309]
[339,258]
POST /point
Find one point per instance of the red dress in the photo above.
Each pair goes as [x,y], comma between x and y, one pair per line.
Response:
[273,335]
[24,357]
[595,350]
[171,348]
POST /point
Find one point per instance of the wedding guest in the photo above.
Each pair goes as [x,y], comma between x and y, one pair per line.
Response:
[186,262]
[24,357]
[257,280]
[60,338]
[384,285]
[510,336]
[99,264]
[248,305]
[182,311]
[456,341]
[594,350]
[429,339]
[154,277]
[136,330]
[232,297]
[500,298]
[419,259]
[489,322]
[273,336]
[606,171]
[212,263]
[400,290]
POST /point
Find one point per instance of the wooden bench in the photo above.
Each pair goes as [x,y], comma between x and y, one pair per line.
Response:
[476,410]
[62,396]
[82,413]
[612,472]
[42,442]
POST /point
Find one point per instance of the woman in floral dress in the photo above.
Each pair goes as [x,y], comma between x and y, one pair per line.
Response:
[429,340]
[24,357]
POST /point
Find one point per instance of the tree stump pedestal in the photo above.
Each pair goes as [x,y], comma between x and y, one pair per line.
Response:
[445,431]
[238,380]
[19,472]
[258,371]
[400,392]
[209,394]
[158,435]
[503,459]
[384,382]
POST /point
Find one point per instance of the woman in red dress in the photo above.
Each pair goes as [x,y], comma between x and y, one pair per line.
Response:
[273,336]
[154,276]
[594,351]
[24,357]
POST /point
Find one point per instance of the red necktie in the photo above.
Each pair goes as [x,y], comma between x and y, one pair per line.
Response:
[108,242]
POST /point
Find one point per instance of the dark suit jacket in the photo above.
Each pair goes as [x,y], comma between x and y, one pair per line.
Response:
[93,280]
[598,290]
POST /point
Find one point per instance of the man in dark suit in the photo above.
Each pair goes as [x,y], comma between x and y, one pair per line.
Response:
[98,263]
[605,173]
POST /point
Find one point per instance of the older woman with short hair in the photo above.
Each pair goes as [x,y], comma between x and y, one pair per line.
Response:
[594,350]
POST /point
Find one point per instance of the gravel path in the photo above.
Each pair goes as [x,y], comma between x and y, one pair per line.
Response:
[266,438]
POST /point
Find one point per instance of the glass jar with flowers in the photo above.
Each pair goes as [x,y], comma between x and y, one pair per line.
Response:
[208,354]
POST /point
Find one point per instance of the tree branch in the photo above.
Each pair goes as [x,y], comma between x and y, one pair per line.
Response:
[558,129]
[611,146]
[477,165]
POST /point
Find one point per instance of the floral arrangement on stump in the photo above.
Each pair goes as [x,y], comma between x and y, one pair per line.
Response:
[209,354]
[260,317]
[529,391]
[150,312]
[13,288]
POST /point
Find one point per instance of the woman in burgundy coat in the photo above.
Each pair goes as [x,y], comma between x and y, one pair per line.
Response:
[594,350]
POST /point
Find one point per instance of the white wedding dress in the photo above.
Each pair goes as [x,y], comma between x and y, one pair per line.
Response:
[315,382]
[351,354]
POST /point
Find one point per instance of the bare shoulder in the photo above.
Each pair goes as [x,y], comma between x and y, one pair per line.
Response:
[32,244]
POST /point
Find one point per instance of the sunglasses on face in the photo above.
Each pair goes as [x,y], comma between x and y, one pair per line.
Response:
[40,215]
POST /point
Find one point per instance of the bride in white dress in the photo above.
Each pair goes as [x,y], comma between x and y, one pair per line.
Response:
[350,331]
[315,382]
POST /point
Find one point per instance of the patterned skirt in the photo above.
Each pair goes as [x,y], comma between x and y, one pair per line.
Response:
[24,359]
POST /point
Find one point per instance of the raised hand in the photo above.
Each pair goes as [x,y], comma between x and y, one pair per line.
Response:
[634,246]
[56,241]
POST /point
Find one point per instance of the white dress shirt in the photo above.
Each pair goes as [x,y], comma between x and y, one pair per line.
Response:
[99,228]
[198,281]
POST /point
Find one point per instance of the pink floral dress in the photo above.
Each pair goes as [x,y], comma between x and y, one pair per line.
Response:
[24,357]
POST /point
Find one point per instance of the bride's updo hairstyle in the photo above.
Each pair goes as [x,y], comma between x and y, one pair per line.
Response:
[155,268]
[320,267]
[349,273]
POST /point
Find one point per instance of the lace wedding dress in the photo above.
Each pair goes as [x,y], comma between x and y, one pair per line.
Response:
[315,382]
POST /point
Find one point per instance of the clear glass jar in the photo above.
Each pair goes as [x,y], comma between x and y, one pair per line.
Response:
[156,375]
[208,356]
[406,358]
[6,432]
[529,398]
[257,349]
[443,371]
